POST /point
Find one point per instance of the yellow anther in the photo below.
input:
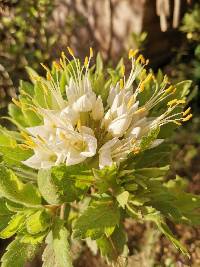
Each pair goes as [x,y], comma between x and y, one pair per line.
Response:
[132,53]
[143,74]
[62,136]
[174,91]
[44,66]
[177,123]
[122,70]
[48,75]
[187,118]
[169,89]
[136,150]
[28,140]
[142,86]
[148,78]
[16,102]
[181,101]
[70,51]
[131,101]
[165,79]
[186,111]
[25,135]
[91,52]
[63,55]
[147,62]
[140,110]
[86,62]
[140,59]
[121,83]
[56,65]
[172,102]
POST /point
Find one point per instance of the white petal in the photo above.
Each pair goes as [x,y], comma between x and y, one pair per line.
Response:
[98,109]
[83,104]
[73,157]
[86,130]
[69,114]
[91,146]
[33,162]
[135,132]
[118,126]
[113,92]
[109,144]
[105,159]
[157,142]
[71,91]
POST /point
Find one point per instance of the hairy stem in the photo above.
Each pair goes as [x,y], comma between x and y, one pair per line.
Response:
[62,211]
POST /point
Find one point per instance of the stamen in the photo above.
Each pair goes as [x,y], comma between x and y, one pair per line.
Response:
[131,101]
[140,59]
[86,62]
[122,70]
[48,75]
[140,110]
[132,53]
[121,83]
[16,102]
[177,123]
[172,102]
[186,111]
[187,118]
[91,52]
[70,51]
[169,89]
[57,66]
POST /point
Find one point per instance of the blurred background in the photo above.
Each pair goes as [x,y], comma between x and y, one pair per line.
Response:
[166,31]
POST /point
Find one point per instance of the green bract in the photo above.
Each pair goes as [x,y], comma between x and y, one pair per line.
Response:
[88,153]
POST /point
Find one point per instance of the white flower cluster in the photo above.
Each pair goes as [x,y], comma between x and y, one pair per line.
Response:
[82,127]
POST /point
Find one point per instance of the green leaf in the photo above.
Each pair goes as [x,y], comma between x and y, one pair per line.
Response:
[38,222]
[18,254]
[33,239]
[147,141]
[42,97]
[152,172]
[96,218]
[33,75]
[61,245]
[182,89]
[47,188]
[14,155]
[17,115]
[112,247]
[157,218]
[106,178]
[122,198]
[57,251]
[11,187]
[48,256]
[3,207]
[13,226]
[64,183]
[158,156]
[99,64]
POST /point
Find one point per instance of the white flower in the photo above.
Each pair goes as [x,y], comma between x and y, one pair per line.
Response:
[79,126]
[114,151]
